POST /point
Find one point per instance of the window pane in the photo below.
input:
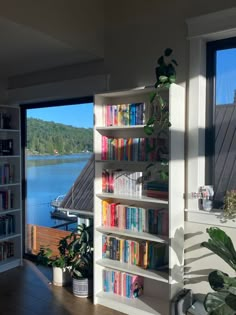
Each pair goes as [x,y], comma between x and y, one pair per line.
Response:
[225,123]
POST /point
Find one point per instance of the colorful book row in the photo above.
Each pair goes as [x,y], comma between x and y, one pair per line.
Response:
[123,284]
[122,182]
[6,250]
[6,173]
[141,253]
[6,199]
[133,149]
[7,225]
[154,221]
[124,114]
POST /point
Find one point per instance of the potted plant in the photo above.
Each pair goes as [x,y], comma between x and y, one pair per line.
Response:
[82,263]
[223,300]
[61,264]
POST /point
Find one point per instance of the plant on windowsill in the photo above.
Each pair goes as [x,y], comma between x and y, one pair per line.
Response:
[158,121]
[82,263]
[229,207]
[223,301]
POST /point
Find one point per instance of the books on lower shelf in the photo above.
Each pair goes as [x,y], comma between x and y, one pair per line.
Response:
[123,284]
[6,199]
[6,250]
[146,254]
[133,149]
[6,146]
[133,218]
[124,114]
[7,225]
[6,173]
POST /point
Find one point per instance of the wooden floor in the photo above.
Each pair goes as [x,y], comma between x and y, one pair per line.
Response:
[28,290]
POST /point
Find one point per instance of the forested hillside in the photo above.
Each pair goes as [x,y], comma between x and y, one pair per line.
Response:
[49,138]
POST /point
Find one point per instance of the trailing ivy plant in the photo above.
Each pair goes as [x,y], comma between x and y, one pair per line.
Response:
[158,121]
[165,76]
[223,300]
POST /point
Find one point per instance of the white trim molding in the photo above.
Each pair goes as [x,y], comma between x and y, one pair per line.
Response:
[201,30]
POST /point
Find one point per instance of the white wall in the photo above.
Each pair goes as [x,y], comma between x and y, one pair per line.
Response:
[199,261]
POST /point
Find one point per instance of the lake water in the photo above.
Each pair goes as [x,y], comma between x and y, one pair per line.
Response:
[47,178]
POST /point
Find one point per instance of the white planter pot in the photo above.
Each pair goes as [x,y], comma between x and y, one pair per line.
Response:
[61,276]
[82,287]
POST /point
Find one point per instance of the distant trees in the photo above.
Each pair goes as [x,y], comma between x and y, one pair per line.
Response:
[48,138]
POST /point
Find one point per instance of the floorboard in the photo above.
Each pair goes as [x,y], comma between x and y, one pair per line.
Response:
[27,290]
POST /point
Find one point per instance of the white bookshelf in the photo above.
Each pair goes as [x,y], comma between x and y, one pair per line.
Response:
[10,187]
[160,286]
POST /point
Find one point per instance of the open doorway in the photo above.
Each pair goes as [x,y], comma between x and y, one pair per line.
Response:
[58,142]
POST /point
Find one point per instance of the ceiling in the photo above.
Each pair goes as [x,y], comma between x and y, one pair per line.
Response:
[35,37]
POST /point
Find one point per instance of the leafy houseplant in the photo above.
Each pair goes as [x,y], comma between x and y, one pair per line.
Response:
[223,301]
[158,121]
[82,263]
[62,262]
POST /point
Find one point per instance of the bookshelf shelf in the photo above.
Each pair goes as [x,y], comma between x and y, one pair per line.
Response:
[133,234]
[147,273]
[115,208]
[144,305]
[143,199]
[10,188]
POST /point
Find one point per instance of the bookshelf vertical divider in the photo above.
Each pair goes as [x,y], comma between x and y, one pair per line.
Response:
[160,284]
[10,188]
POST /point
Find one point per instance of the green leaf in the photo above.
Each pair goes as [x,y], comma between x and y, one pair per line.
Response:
[215,304]
[152,96]
[148,130]
[174,62]
[168,52]
[151,121]
[163,78]
[221,244]
[160,61]
[231,301]
[172,79]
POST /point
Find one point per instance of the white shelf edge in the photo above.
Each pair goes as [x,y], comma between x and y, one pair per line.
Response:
[144,305]
[125,267]
[208,217]
[132,198]
[10,184]
[9,211]
[109,128]
[9,156]
[9,130]
[10,236]
[10,263]
[134,234]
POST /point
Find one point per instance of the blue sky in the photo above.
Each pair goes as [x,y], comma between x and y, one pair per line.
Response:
[80,115]
[225,76]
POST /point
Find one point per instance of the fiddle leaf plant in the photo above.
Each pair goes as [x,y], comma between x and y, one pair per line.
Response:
[223,300]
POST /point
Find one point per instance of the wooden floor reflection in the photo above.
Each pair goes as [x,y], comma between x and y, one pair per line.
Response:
[28,290]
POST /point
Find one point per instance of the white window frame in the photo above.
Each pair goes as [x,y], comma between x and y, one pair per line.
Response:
[202,29]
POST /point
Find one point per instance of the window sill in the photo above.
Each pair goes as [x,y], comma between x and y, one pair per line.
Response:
[211,218]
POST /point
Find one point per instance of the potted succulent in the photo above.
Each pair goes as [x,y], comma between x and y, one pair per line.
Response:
[61,264]
[82,263]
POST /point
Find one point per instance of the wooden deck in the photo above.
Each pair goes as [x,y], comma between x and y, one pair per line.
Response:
[38,236]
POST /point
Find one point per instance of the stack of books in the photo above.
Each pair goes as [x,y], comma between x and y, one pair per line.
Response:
[157,189]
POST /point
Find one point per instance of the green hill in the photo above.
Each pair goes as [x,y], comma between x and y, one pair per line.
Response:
[49,138]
